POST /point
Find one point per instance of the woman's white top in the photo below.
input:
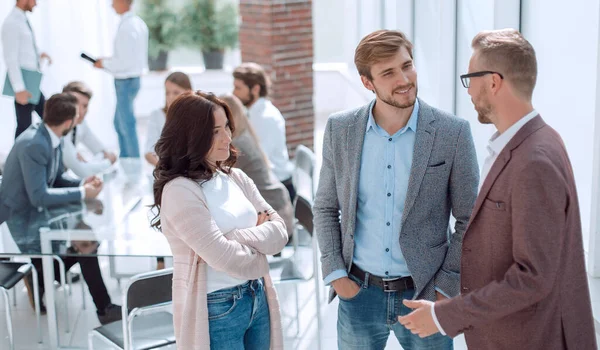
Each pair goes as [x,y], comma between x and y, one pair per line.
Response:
[156,122]
[231,210]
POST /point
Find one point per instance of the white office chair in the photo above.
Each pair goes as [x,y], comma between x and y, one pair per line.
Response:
[148,325]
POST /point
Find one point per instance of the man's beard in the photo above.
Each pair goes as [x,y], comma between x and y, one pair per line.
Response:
[248,101]
[390,99]
[483,118]
[483,108]
[66,132]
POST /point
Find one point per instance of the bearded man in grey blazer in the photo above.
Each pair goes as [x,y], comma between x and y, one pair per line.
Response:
[395,169]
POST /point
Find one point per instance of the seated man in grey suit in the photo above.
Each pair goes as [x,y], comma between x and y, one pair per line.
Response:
[395,169]
[33,178]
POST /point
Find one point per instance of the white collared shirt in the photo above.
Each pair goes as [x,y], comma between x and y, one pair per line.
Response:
[19,47]
[55,141]
[498,141]
[130,53]
[90,167]
[269,125]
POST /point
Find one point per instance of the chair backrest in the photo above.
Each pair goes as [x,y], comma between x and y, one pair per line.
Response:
[150,288]
[303,213]
[303,172]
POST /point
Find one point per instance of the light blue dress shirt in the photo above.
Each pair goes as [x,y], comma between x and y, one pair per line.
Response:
[383,183]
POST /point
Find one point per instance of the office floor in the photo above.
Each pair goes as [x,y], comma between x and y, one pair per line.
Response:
[81,321]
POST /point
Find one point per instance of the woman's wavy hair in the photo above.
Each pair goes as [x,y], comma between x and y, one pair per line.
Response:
[185,142]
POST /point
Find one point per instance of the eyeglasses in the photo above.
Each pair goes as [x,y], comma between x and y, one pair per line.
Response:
[465,79]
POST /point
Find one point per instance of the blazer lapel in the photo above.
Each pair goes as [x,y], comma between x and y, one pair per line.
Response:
[501,162]
[51,172]
[355,139]
[423,146]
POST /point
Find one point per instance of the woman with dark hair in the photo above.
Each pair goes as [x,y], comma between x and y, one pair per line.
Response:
[220,230]
[253,161]
[176,84]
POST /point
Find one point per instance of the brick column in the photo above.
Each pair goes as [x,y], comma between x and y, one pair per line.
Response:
[278,35]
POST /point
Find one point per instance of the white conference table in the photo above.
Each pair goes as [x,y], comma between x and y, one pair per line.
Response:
[117,222]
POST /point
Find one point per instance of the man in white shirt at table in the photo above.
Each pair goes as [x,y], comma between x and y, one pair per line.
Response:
[82,133]
[128,63]
[21,52]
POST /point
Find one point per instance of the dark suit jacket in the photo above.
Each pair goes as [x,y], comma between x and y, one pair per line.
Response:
[523,277]
[27,175]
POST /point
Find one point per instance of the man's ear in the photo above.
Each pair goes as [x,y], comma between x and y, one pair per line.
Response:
[368,84]
[496,83]
[255,91]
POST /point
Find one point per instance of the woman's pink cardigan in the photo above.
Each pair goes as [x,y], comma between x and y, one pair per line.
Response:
[196,241]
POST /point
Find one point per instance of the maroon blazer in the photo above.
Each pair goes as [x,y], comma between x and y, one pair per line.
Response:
[523,277]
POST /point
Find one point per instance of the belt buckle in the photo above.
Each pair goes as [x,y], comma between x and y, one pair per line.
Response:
[386,286]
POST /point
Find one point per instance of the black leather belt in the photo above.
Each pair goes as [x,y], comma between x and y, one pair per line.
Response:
[388,285]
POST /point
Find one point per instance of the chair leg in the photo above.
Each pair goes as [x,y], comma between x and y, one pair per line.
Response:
[82,285]
[70,282]
[297,310]
[14,296]
[11,341]
[318,297]
[36,301]
[63,283]
[91,341]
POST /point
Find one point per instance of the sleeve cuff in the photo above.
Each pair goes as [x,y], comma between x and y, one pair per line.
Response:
[18,87]
[335,275]
[442,292]
[82,190]
[108,64]
[435,320]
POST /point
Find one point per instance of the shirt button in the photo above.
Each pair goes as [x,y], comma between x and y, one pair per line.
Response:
[387,249]
[388,223]
[390,139]
[387,273]
[389,194]
[389,166]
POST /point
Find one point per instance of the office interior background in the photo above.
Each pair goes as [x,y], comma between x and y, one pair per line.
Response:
[565,35]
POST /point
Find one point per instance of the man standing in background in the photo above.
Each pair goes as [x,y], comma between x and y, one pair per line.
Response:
[251,86]
[21,52]
[128,63]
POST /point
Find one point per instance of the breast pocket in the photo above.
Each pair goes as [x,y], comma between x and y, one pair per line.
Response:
[494,204]
[438,167]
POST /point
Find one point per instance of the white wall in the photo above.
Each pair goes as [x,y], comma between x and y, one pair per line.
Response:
[474,16]
[434,42]
[565,38]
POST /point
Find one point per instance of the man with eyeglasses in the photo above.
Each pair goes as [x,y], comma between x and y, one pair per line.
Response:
[523,277]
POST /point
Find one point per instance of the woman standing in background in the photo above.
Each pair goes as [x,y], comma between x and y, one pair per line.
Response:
[176,84]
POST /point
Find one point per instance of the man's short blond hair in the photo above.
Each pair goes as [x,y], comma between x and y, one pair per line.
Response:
[379,46]
[507,52]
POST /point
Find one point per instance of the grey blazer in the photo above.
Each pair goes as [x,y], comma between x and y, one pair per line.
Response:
[27,182]
[444,178]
